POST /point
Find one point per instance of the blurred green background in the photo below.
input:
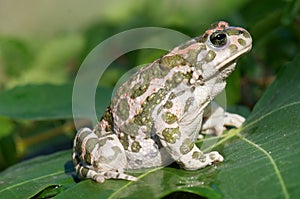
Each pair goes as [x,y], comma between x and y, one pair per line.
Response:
[42,44]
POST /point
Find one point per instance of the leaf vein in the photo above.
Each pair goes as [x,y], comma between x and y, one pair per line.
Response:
[31,180]
[115,194]
[281,181]
[269,113]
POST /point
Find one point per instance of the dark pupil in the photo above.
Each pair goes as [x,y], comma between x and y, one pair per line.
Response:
[218,39]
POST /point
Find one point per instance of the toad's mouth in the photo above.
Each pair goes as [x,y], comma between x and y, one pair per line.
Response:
[230,61]
[223,65]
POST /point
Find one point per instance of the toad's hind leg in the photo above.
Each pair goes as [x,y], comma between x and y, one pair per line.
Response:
[99,158]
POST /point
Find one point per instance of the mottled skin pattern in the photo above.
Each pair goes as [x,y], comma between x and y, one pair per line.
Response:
[157,114]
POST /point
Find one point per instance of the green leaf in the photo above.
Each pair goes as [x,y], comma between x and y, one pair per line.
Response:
[262,160]
[28,178]
[41,102]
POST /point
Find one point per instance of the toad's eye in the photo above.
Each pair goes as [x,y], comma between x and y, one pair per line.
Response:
[218,39]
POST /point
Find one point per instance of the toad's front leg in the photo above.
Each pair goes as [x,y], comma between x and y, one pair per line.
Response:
[217,119]
[99,158]
[183,149]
